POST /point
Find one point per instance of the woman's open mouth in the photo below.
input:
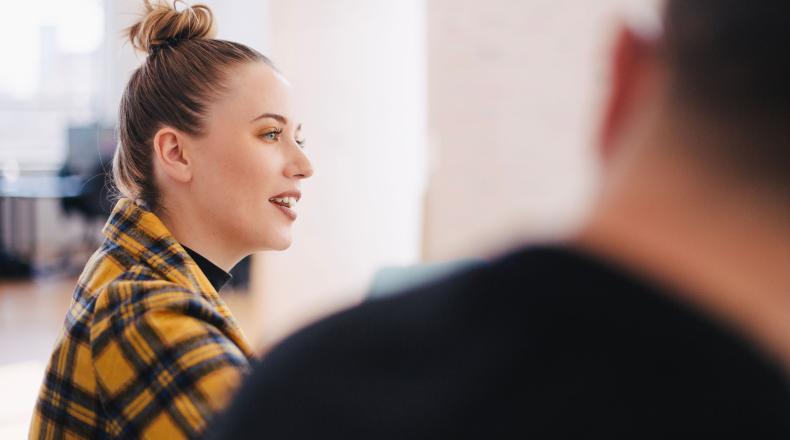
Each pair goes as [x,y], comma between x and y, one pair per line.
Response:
[286,205]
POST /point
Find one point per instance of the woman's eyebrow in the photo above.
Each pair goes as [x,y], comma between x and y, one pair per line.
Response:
[280,118]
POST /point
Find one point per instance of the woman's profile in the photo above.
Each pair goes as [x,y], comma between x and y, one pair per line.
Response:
[208,167]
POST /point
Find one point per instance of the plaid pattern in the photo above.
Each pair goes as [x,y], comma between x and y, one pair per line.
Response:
[148,349]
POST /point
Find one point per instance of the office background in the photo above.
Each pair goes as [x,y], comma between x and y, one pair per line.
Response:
[439,131]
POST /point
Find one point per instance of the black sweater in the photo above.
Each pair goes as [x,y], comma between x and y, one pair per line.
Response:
[544,342]
[215,275]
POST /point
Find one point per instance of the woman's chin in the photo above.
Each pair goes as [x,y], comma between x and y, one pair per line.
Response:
[280,243]
[282,246]
[271,239]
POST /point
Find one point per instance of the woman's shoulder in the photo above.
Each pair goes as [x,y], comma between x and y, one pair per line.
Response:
[108,265]
[135,295]
[142,290]
[113,277]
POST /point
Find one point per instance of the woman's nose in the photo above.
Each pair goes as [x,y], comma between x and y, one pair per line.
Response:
[300,166]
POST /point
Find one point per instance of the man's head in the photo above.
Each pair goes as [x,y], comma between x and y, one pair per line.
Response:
[696,138]
[714,85]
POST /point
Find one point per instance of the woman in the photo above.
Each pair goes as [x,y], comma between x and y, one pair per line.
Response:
[208,165]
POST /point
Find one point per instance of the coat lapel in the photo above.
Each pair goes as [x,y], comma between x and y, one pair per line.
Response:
[143,235]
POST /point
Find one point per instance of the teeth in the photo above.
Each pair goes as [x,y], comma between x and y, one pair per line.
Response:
[287,201]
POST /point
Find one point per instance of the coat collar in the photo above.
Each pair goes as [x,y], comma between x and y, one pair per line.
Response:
[142,235]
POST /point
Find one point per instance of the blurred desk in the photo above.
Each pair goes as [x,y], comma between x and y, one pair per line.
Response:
[40,187]
[27,190]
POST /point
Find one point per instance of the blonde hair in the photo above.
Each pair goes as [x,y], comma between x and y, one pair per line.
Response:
[184,71]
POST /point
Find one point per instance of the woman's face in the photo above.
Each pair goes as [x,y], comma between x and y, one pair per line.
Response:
[248,166]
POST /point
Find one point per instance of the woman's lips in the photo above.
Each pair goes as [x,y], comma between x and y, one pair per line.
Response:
[290,213]
[286,202]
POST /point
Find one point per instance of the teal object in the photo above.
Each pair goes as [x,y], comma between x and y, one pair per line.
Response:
[390,281]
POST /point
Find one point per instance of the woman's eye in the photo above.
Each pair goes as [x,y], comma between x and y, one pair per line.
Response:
[272,135]
[301,143]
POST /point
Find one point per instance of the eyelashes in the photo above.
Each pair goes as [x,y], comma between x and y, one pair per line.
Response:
[274,136]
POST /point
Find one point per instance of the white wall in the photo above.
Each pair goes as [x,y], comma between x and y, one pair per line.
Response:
[514,98]
[358,67]
[120,59]
[243,21]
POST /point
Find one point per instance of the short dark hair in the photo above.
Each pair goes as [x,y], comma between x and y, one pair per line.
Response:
[731,59]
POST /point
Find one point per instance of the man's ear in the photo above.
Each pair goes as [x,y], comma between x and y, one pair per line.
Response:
[627,66]
[170,156]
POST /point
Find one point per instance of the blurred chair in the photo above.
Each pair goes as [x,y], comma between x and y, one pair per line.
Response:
[90,150]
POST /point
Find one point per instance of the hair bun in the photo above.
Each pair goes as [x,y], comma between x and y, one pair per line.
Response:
[164,24]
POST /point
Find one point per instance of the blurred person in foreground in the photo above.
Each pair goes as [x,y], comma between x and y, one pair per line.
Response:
[209,165]
[667,313]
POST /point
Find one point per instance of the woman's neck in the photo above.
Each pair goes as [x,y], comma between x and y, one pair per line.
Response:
[189,228]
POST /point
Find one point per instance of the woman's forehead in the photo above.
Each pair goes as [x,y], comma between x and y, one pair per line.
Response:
[255,89]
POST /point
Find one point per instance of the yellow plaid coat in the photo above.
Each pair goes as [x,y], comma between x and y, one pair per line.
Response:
[148,349]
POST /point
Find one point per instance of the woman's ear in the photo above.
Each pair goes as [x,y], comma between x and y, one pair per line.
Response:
[170,156]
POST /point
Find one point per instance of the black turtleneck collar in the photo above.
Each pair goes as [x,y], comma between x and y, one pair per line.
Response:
[216,276]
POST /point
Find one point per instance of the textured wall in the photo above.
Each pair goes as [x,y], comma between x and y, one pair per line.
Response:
[514,90]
